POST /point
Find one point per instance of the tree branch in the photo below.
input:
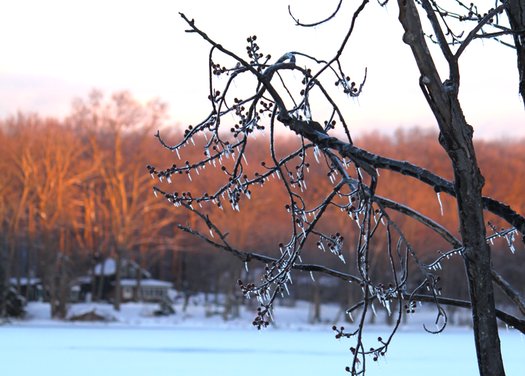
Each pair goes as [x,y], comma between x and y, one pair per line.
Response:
[508,319]
[509,291]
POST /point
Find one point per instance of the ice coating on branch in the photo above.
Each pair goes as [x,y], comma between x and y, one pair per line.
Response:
[440,203]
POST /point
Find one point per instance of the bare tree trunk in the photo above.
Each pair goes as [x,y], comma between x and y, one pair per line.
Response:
[316,303]
[49,261]
[101,278]
[468,185]
[516,13]
[93,286]
[118,277]
[456,138]
[231,305]
[51,284]
[4,282]
[137,293]
[63,291]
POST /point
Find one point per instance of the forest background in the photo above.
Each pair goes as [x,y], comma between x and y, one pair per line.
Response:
[75,191]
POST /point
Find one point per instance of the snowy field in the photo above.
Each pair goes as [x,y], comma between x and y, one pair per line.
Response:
[140,346]
[87,350]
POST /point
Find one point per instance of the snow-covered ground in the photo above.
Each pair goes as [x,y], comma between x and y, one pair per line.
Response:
[140,344]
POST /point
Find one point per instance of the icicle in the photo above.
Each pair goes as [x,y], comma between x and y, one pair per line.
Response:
[286,288]
[168,179]
[349,313]
[246,266]
[312,276]
[440,203]
[211,233]
[177,150]
[510,242]
[316,152]
[342,258]
[373,309]
[387,306]
[193,142]
[244,158]
[189,177]
[155,193]
[152,176]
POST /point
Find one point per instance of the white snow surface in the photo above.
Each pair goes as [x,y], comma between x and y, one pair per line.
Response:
[146,282]
[25,281]
[108,267]
[138,343]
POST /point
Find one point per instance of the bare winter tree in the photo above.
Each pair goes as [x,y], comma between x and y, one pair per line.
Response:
[132,221]
[292,92]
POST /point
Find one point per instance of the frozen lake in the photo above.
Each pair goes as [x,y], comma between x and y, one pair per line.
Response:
[87,350]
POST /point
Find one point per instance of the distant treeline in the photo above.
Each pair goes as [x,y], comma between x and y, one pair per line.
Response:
[76,191]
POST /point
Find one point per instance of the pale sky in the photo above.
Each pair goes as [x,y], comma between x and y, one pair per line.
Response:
[55,50]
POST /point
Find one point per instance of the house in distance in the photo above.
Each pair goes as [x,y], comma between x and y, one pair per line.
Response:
[136,283]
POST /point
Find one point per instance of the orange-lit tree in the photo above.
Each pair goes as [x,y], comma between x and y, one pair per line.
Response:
[115,130]
[282,100]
